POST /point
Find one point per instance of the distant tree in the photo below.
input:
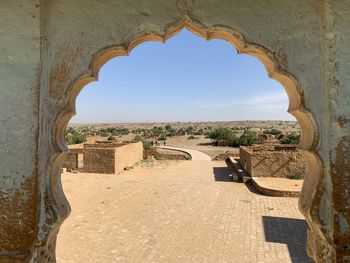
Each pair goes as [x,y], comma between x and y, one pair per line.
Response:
[138,138]
[273,132]
[180,131]
[224,134]
[146,144]
[248,138]
[103,134]
[168,127]
[171,133]
[75,138]
[189,130]
[293,138]
[162,137]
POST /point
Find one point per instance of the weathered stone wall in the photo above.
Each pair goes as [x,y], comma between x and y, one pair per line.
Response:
[272,161]
[128,155]
[99,161]
[103,145]
[71,161]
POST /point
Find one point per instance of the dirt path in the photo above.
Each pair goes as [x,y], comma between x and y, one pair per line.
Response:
[177,211]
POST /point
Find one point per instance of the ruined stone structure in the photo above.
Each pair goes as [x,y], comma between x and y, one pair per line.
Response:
[104,158]
[51,49]
[281,161]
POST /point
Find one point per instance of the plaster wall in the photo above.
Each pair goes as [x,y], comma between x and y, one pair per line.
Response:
[20,69]
[128,155]
[51,49]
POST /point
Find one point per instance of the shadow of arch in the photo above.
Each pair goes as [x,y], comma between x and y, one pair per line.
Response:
[309,134]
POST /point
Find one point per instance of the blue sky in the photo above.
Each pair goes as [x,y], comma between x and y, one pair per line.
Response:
[185,79]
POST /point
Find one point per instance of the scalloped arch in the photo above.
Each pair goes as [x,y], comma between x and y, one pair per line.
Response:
[309,134]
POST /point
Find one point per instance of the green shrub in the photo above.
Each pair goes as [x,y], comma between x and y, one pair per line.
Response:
[111,138]
[248,138]
[75,138]
[103,134]
[292,138]
[162,137]
[296,176]
[146,144]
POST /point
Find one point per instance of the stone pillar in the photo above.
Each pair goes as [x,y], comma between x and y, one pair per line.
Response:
[19,128]
[333,209]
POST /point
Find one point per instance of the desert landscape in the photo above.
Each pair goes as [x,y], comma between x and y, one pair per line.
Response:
[178,197]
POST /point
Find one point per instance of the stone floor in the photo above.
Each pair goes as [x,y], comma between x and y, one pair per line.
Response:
[178,211]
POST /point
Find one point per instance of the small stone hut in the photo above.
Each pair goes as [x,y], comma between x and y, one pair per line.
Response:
[105,158]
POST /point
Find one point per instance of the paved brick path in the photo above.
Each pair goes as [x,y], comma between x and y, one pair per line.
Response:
[180,211]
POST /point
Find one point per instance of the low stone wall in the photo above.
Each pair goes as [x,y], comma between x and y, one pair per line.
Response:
[127,155]
[165,154]
[272,161]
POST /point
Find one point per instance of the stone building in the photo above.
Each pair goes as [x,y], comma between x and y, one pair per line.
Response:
[104,158]
[51,49]
[283,161]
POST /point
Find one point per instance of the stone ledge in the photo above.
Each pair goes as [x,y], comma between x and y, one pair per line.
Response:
[281,187]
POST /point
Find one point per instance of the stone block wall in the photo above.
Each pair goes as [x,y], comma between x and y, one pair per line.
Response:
[280,161]
[105,158]
[71,160]
[99,161]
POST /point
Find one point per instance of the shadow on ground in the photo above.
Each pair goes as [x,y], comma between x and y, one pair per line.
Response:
[222,174]
[289,231]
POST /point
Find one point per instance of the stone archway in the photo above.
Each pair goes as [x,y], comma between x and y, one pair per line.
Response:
[66,42]
[309,134]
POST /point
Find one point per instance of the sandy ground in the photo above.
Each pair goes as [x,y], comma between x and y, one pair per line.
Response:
[177,211]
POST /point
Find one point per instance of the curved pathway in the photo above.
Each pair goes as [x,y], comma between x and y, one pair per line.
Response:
[196,155]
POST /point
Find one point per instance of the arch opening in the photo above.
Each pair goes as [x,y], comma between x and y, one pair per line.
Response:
[296,108]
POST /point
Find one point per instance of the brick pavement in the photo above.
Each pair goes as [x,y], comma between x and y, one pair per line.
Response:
[178,211]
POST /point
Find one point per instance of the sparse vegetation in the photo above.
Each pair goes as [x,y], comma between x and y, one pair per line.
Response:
[296,177]
[292,138]
[162,137]
[228,137]
[146,144]
[111,138]
[74,137]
